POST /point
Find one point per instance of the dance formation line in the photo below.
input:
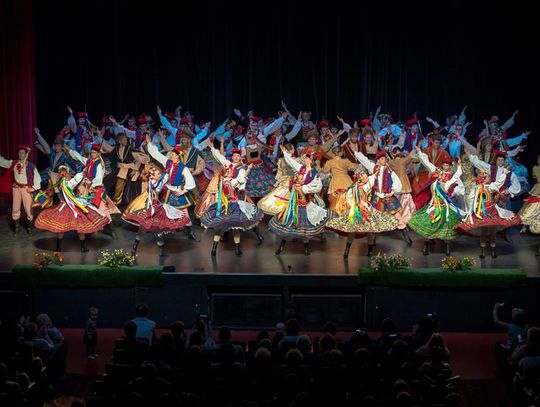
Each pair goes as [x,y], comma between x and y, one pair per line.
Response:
[358,181]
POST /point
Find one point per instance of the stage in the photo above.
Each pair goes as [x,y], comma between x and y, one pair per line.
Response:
[187,256]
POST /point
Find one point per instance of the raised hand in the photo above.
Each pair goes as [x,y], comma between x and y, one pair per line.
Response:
[237,112]
[36,130]
[70,110]
[515,113]
[148,139]
[210,143]
[159,111]
[340,119]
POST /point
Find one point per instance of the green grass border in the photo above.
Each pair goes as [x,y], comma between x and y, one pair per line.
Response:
[83,275]
[435,277]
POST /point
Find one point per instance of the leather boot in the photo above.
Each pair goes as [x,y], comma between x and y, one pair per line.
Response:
[482,252]
[347,247]
[83,246]
[30,227]
[190,234]
[58,244]
[214,247]
[425,252]
[370,250]
[161,250]
[447,248]
[237,250]
[281,246]
[493,252]
[406,237]
[15,227]
[258,234]
[307,251]
[135,245]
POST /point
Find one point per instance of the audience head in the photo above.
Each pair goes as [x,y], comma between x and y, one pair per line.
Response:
[43,319]
[224,334]
[436,339]
[327,343]
[177,328]
[519,317]
[292,327]
[141,310]
[303,343]
[130,329]
[330,328]
[294,357]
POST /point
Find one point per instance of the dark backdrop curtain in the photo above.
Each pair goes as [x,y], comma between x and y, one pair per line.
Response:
[118,56]
[17,79]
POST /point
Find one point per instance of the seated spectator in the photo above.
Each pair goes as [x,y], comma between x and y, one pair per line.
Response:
[148,385]
[453,400]
[435,340]
[224,351]
[359,339]
[389,334]
[303,344]
[530,347]
[180,338]
[436,367]
[517,328]
[129,341]
[53,332]
[328,328]
[423,331]
[166,353]
[292,328]
[145,327]
[11,390]
[294,365]
[42,344]
[279,333]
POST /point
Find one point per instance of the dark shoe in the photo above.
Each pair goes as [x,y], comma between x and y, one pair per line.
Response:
[258,234]
[307,252]
[15,227]
[83,246]
[237,250]
[214,247]
[406,237]
[370,250]
[135,245]
[30,227]
[447,250]
[281,246]
[537,252]
[347,247]
[493,252]
[323,238]
[58,245]
[191,235]
[224,237]
[161,251]
[425,252]
[482,252]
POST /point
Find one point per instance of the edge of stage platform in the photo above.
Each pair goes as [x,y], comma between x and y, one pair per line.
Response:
[87,275]
[437,278]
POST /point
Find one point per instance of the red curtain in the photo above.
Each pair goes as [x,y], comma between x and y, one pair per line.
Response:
[17,79]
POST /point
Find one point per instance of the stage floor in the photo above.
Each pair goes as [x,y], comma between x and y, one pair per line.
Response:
[194,257]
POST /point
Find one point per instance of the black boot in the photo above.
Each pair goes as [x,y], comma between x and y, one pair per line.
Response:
[482,252]
[135,245]
[447,248]
[15,227]
[224,236]
[281,246]
[161,250]
[347,247]
[323,238]
[214,247]
[493,252]
[370,250]
[307,252]
[190,234]
[425,252]
[83,246]
[258,234]
[406,237]
[58,244]
[537,252]
[30,227]
[110,231]
[237,250]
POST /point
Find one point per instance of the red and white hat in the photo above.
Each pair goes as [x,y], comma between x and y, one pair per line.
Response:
[380,153]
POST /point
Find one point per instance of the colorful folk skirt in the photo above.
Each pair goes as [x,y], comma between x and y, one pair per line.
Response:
[259,182]
[159,220]
[232,218]
[490,220]
[302,228]
[442,229]
[61,218]
[272,204]
[530,212]
[375,222]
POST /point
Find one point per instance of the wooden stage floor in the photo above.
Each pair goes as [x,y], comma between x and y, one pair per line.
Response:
[194,257]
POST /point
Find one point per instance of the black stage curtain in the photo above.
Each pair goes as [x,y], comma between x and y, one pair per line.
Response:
[118,56]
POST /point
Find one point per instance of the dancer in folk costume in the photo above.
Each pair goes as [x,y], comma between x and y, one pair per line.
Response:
[358,217]
[261,179]
[339,168]
[180,181]
[271,204]
[438,218]
[123,180]
[230,211]
[400,163]
[56,157]
[485,217]
[80,129]
[21,179]
[156,216]
[91,187]
[530,211]
[303,215]
[73,213]
[386,187]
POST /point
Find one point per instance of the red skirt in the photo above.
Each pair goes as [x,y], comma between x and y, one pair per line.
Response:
[159,221]
[490,220]
[61,221]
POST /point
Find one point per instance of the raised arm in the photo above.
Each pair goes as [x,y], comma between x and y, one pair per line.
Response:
[467,145]
[75,155]
[218,155]
[294,131]
[291,162]
[424,159]
[366,162]
[42,142]
[155,154]
[166,123]
[478,163]
[496,315]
